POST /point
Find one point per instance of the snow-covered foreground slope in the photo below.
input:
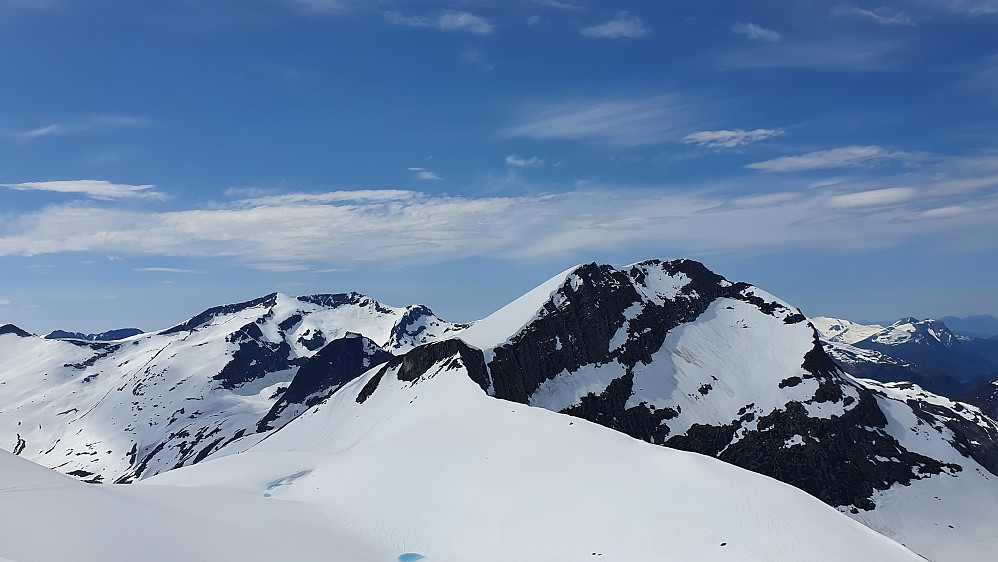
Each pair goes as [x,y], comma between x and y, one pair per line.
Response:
[116,411]
[417,456]
[48,517]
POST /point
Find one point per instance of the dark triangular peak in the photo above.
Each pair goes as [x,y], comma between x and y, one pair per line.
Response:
[206,316]
[337,363]
[417,362]
[12,329]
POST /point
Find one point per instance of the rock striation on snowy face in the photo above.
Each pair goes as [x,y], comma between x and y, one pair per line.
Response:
[121,410]
[675,355]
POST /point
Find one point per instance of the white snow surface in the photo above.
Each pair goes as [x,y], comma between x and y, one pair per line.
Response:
[502,325]
[437,467]
[48,517]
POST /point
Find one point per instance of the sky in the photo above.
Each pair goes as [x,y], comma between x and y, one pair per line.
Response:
[157,159]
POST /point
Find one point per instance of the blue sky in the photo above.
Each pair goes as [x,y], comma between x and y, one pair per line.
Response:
[160,158]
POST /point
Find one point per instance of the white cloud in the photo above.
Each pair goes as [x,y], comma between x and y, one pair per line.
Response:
[883,15]
[730,139]
[4,302]
[623,25]
[852,55]
[165,270]
[94,123]
[873,198]
[295,232]
[845,157]
[521,162]
[448,21]
[97,189]
[753,31]
[424,174]
[613,121]
[320,7]
[967,7]
[558,5]
[476,58]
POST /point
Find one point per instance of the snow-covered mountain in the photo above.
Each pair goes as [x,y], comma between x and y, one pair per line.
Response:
[925,352]
[117,411]
[673,354]
[667,352]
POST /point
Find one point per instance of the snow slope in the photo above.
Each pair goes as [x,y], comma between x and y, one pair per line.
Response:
[418,456]
[121,410]
[47,516]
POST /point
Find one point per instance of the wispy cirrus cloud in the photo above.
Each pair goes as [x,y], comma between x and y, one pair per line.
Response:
[451,21]
[167,270]
[320,7]
[623,25]
[730,139]
[884,15]
[838,55]
[558,5]
[614,121]
[424,174]
[972,8]
[845,157]
[97,189]
[521,162]
[83,126]
[753,31]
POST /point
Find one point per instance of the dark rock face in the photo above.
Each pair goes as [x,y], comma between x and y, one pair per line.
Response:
[841,459]
[110,335]
[985,396]
[589,318]
[417,362]
[975,438]
[12,329]
[336,364]
[932,380]
[206,316]
[255,358]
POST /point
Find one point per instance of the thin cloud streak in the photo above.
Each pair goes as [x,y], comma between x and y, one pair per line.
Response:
[166,270]
[613,121]
[846,157]
[94,123]
[730,139]
[97,189]
[448,21]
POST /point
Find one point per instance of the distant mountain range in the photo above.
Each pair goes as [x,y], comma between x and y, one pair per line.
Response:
[562,418]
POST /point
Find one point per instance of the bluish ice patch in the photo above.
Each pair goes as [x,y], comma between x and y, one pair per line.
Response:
[411,557]
[286,481]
